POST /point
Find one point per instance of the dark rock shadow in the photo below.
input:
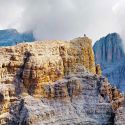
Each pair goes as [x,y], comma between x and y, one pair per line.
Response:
[20,82]
[19,114]
[18,111]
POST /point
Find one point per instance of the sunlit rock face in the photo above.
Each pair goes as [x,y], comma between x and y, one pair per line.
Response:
[110,55]
[46,62]
[55,83]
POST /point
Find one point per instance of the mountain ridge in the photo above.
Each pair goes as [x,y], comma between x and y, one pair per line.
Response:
[9,37]
[109,53]
[55,83]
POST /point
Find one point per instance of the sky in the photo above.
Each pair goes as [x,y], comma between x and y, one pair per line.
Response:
[64,19]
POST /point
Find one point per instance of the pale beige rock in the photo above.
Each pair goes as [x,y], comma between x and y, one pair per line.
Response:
[61,79]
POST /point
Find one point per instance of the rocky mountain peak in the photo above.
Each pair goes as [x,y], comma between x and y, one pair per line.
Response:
[9,37]
[110,55]
[109,49]
[55,83]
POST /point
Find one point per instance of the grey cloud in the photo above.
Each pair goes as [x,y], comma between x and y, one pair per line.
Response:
[119,12]
[63,19]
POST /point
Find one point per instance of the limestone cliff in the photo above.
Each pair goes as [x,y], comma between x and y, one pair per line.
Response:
[54,83]
[46,62]
[110,55]
[108,50]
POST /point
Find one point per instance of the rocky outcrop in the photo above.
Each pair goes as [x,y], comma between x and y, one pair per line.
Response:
[108,50]
[120,116]
[80,98]
[55,83]
[98,70]
[39,63]
[110,55]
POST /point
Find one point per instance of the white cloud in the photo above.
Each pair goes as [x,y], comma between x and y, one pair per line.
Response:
[119,12]
[61,19]
[10,13]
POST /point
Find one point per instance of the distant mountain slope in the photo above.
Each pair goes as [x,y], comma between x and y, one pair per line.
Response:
[110,55]
[10,37]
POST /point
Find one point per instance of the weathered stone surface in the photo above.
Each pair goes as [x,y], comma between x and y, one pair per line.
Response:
[46,62]
[120,116]
[98,69]
[54,83]
[78,99]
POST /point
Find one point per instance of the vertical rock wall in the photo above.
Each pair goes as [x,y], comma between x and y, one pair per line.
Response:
[34,64]
[110,55]
[55,83]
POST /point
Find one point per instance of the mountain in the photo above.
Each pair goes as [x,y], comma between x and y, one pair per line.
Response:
[55,83]
[110,55]
[9,37]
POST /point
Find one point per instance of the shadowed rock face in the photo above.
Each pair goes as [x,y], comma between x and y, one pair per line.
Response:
[108,50]
[110,55]
[55,83]
[11,37]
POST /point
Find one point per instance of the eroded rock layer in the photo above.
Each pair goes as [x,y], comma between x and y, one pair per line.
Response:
[55,83]
[42,62]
